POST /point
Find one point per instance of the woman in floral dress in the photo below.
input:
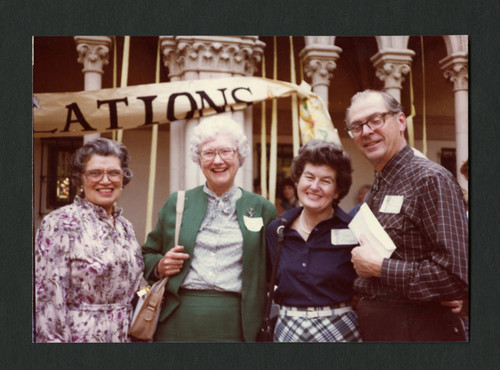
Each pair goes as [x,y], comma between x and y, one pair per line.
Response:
[88,263]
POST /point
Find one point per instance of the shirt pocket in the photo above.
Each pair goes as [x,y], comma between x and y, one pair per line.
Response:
[402,224]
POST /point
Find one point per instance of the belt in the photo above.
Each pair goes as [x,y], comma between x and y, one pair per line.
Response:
[402,300]
[381,298]
[314,312]
[99,307]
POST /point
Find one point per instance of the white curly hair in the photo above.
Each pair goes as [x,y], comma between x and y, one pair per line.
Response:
[209,127]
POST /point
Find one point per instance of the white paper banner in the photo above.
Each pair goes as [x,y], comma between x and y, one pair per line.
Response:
[105,110]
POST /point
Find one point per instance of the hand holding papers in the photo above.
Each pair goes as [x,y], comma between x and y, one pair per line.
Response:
[365,223]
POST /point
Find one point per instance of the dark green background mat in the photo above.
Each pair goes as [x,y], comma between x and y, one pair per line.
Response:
[20,20]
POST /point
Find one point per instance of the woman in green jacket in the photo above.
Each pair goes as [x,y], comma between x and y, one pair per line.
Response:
[217,272]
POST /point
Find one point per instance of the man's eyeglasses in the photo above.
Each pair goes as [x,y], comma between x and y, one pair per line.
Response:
[375,122]
[225,152]
[97,175]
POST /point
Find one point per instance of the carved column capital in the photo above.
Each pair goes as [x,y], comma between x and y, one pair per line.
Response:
[169,55]
[455,69]
[222,54]
[391,65]
[392,74]
[319,63]
[93,52]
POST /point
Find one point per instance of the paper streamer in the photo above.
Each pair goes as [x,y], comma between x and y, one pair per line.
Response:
[153,157]
[273,154]
[124,77]
[263,140]
[295,111]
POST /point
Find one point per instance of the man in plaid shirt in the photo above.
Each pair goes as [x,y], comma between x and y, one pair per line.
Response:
[421,206]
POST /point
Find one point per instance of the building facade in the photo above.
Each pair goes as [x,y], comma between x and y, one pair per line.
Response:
[428,74]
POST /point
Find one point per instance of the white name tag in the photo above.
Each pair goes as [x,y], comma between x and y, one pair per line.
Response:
[253,223]
[392,204]
[343,237]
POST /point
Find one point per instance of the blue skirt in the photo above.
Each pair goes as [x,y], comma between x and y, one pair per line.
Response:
[203,316]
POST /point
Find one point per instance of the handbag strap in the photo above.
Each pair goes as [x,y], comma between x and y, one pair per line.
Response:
[270,292]
[179,210]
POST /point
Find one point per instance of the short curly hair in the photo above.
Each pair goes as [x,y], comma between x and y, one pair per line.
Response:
[319,152]
[104,147]
[209,127]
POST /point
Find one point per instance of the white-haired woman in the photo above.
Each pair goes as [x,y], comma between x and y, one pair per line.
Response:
[217,285]
[88,263]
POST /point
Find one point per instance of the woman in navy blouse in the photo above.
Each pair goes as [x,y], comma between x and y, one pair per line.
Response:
[315,274]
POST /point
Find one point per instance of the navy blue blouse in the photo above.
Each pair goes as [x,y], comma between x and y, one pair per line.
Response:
[313,272]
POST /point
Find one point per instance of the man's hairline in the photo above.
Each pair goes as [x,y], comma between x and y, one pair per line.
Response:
[368,93]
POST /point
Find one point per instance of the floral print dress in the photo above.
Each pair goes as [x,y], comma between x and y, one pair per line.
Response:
[86,274]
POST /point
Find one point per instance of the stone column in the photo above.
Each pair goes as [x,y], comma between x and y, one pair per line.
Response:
[206,57]
[455,68]
[319,61]
[392,62]
[93,52]
[177,155]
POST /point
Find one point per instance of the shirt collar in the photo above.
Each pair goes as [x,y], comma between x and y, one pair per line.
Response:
[85,204]
[398,162]
[227,196]
[293,213]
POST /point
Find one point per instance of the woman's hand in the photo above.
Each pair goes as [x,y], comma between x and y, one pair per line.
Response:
[172,262]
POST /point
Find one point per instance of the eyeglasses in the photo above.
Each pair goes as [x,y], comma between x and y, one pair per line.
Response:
[225,153]
[375,122]
[97,175]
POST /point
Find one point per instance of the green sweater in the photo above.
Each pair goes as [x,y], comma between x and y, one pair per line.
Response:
[161,239]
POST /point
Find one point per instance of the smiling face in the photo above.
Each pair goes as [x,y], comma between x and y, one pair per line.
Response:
[317,188]
[380,145]
[104,192]
[220,172]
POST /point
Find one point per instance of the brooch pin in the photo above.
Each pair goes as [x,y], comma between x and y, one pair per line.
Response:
[251,212]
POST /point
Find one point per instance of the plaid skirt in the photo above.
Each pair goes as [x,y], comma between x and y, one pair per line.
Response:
[334,328]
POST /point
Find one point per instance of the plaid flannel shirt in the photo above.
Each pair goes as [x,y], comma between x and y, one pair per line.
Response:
[430,232]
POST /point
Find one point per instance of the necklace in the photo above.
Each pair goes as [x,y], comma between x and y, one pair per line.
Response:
[302,226]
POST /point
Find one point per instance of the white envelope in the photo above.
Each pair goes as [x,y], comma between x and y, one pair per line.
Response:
[365,223]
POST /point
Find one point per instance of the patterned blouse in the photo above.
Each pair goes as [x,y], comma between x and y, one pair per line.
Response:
[218,251]
[86,274]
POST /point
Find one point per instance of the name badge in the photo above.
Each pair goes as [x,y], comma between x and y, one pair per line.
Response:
[253,223]
[392,204]
[343,237]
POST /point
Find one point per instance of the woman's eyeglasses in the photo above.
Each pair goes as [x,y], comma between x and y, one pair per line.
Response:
[225,153]
[97,175]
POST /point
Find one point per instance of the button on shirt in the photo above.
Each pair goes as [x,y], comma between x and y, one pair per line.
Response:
[313,272]
[217,258]
[430,232]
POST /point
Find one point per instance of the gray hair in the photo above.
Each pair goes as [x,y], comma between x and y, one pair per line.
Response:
[209,127]
[104,147]
[390,102]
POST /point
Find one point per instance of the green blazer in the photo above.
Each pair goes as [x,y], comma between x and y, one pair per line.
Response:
[161,239]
